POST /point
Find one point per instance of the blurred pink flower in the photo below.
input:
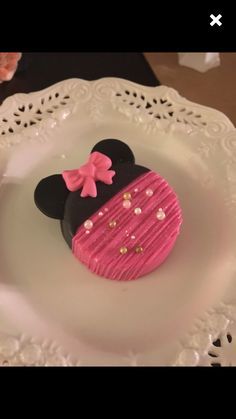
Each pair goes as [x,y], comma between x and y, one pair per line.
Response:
[8,64]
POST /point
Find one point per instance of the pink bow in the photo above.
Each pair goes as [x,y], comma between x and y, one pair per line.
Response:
[95,169]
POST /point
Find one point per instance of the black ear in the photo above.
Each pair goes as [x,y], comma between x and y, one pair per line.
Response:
[50,196]
[118,151]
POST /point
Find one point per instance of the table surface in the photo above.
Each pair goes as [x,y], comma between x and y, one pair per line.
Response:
[38,70]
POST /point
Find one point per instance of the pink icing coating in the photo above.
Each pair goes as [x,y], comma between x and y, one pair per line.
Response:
[95,169]
[100,250]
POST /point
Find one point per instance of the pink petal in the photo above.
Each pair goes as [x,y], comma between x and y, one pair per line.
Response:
[11,66]
[3,72]
[8,64]
[13,56]
[3,58]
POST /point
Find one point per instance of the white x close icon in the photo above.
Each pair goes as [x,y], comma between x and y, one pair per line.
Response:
[215,20]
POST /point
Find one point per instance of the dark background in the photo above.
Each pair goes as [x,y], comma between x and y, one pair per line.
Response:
[38,70]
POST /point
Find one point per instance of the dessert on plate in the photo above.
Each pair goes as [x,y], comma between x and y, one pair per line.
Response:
[120,219]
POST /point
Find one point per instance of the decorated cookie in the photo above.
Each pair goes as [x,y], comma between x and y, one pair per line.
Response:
[120,219]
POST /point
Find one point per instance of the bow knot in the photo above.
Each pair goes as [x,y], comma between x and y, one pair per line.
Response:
[87,175]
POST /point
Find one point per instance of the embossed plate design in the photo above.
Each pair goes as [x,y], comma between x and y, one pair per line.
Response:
[170,317]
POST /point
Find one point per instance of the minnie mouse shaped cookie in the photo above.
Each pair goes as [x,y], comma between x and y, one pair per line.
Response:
[120,219]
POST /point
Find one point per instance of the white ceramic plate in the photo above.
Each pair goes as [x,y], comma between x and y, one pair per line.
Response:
[152,320]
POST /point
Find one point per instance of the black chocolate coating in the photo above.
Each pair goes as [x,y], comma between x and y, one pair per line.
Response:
[78,209]
[118,151]
[50,196]
[54,199]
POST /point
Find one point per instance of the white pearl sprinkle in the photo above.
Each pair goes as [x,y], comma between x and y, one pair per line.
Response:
[105,209]
[88,224]
[87,231]
[133,237]
[149,192]
[100,214]
[137,211]
[126,203]
[160,214]
[136,190]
